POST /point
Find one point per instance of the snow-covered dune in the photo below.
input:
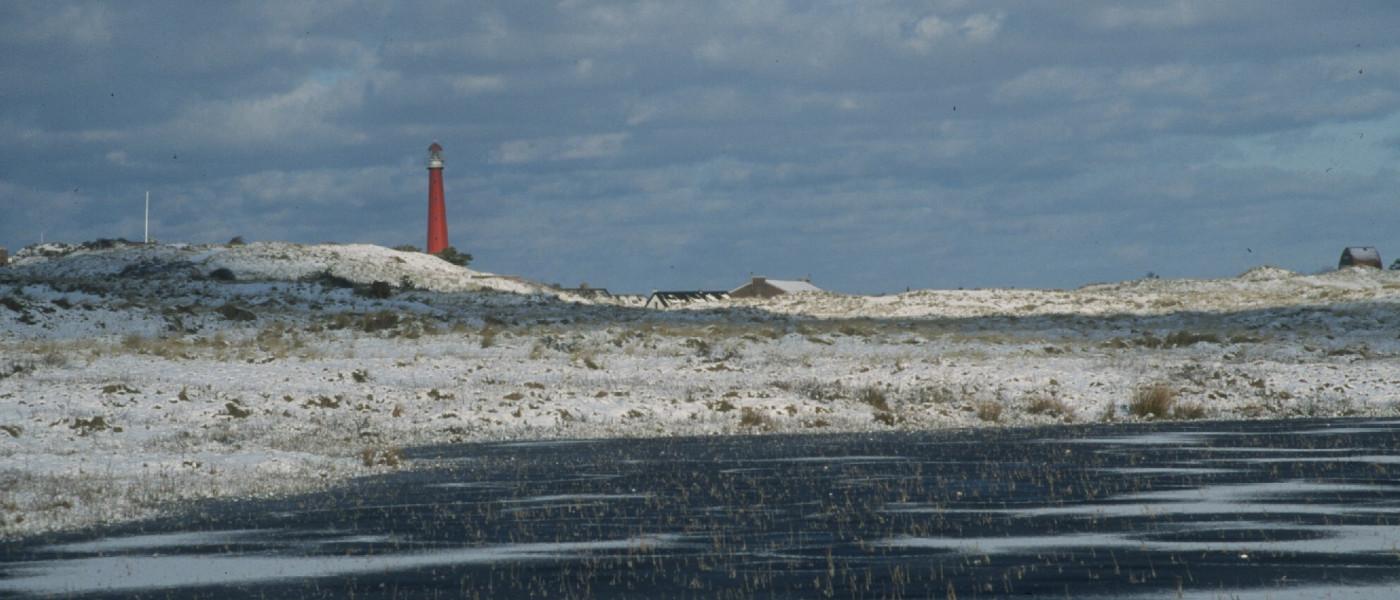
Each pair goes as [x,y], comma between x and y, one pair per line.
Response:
[1259,288]
[274,261]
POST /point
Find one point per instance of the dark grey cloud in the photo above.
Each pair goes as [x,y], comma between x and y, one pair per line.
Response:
[639,145]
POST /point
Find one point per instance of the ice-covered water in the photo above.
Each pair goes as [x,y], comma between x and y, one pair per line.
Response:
[1254,509]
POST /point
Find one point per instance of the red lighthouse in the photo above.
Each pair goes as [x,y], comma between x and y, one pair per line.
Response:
[437,207]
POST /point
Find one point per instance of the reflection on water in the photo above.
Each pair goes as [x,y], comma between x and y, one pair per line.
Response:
[147,571]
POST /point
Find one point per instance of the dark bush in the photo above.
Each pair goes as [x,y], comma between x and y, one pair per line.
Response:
[86,426]
[160,268]
[234,313]
[377,289]
[379,321]
[1182,339]
[451,255]
[222,274]
[407,248]
[105,243]
[328,279]
[236,241]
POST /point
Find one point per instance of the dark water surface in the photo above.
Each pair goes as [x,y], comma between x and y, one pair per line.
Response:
[1297,509]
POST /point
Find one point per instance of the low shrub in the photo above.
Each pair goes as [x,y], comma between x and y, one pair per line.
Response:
[222,274]
[15,369]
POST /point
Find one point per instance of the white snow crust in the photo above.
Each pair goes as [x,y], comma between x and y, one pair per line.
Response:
[132,382]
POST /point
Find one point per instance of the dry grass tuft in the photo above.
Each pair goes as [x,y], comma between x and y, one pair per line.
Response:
[874,396]
[816,390]
[1189,412]
[754,418]
[989,411]
[1110,413]
[720,405]
[1153,401]
[1048,405]
[381,457]
[235,409]
[588,357]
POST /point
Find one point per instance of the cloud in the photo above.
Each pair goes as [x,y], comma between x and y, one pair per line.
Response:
[1170,14]
[604,145]
[1054,83]
[930,31]
[88,24]
[471,85]
[874,145]
[303,116]
[927,32]
[982,27]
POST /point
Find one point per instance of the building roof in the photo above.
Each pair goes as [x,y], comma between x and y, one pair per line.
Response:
[1363,252]
[793,287]
[667,298]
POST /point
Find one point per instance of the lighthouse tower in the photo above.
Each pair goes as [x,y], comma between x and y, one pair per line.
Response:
[437,207]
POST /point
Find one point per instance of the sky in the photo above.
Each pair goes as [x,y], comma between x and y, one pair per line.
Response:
[871,146]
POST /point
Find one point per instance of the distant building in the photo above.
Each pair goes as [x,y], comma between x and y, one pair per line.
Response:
[1360,256]
[762,287]
[669,298]
[585,291]
[630,299]
[4,256]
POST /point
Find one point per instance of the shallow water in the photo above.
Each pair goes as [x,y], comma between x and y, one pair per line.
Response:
[1248,509]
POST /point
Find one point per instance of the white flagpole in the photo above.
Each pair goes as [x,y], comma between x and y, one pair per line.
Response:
[148,216]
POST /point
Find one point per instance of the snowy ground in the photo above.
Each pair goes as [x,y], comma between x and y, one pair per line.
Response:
[131,380]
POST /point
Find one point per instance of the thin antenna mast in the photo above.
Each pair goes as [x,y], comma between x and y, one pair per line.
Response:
[148,217]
